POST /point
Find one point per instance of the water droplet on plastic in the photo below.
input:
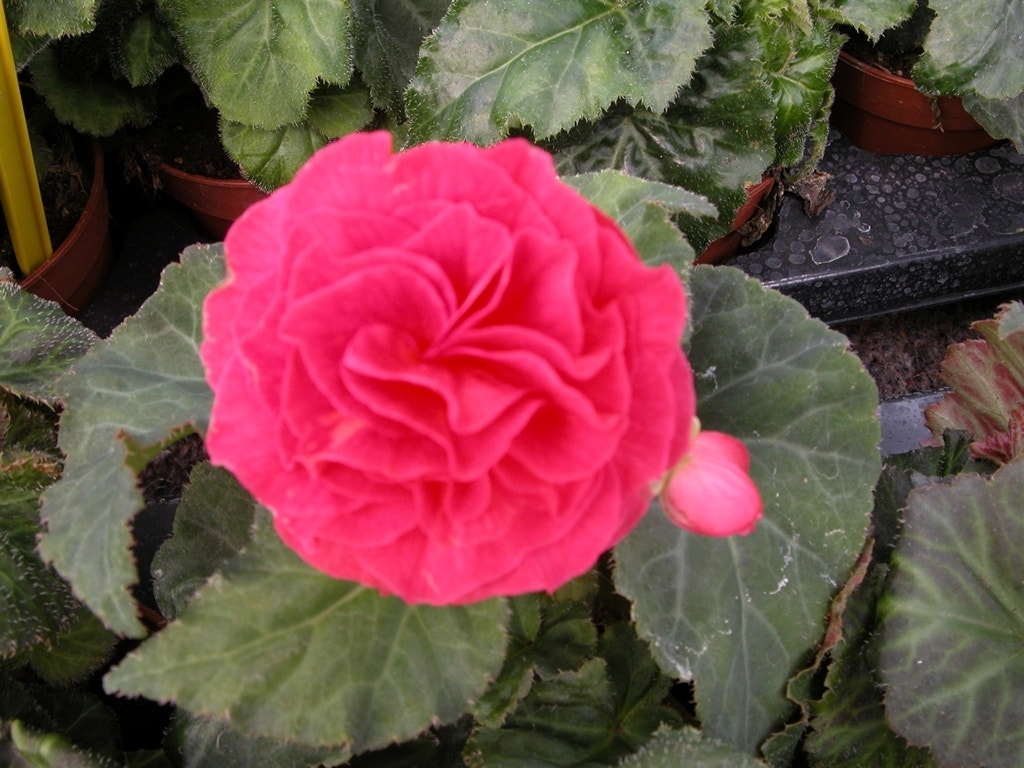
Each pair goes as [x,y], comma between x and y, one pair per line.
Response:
[1010,186]
[987,164]
[958,219]
[829,249]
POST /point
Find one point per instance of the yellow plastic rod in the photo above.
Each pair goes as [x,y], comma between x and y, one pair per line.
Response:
[19,187]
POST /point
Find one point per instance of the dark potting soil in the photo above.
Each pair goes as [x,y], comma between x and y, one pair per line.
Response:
[186,136]
[64,190]
[163,478]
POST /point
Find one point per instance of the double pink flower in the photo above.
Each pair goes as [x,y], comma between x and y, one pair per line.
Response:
[450,377]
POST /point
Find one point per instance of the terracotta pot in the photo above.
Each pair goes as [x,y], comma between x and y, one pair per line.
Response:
[216,203]
[883,113]
[728,245]
[75,270]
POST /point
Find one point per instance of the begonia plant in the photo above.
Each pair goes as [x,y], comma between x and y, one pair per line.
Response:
[469,428]
[469,502]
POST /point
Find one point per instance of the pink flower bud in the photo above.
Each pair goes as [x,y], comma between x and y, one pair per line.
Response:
[709,491]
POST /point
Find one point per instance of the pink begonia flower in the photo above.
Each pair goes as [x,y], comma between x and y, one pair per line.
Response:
[444,372]
[709,491]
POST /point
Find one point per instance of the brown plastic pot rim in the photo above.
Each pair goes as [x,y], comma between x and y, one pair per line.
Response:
[73,284]
[222,199]
[209,181]
[897,98]
[728,245]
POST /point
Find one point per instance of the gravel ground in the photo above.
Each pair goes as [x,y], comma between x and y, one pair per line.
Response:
[904,352]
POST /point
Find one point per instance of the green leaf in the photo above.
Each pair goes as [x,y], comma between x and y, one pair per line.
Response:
[211,525]
[975,47]
[804,688]
[588,716]
[50,750]
[873,17]
[849,728]
[68,715]
[643,209]
[35,604]
[52,19]
[388,36]
[76,653]
[799,65]
[148,49]
[96,106]
[738,615]
[38,343]
[1002,118]
[951,657]
[287,652]
[545,637]
[28,440]
[259,60]
[134,391]
[201,743]
[673,749]
[715,140]
[492,65]
[337,112]
[271,157]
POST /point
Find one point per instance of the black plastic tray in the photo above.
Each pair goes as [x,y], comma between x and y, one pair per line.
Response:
[903,232]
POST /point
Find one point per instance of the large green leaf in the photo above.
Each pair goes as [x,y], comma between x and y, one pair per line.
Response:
[738,615]
[76,653]
[132,393]
[952,658]
[974,47]
[388,35]
[715,140]
[492,65]
[642,208]
[259,60]
[287,652]
[38,343]
[674,749]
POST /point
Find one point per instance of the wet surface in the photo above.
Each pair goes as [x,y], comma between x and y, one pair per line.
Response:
[904,231]
[903,425]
